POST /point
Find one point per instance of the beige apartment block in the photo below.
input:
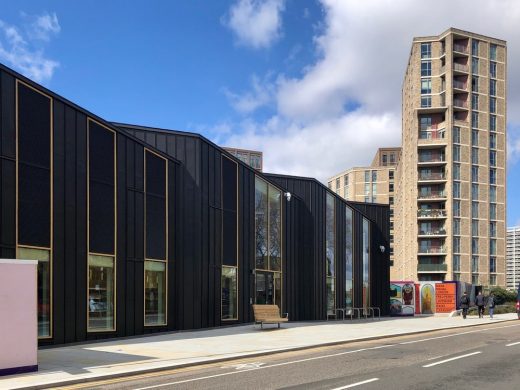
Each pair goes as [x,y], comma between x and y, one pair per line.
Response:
[374,183]
[253,158]
[450,181]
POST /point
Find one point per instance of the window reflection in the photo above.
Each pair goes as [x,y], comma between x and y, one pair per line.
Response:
[349,283]
[261,223]
[366,263]
[330,235]
[155,293]
[101,293]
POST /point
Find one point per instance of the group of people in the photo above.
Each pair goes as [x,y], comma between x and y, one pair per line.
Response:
[480,302]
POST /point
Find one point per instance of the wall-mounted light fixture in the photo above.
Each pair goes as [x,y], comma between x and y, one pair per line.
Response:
[288,196]
[382,248]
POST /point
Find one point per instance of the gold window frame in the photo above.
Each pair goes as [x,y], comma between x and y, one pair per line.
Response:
[113,255]
[51,230]
[335,247]
[146,150]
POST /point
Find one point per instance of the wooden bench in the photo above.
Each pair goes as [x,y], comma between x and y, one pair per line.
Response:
[268,314]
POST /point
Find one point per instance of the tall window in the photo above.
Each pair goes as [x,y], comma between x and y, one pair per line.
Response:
[268,243]
[34,194]
[493,246]
[493,105]
[492,194]
[456,244]
[492,141]
[367,176]
[426,50]
[493,52]
[426,86]
[474,209]
[456,263]
[102,228]
[474,137]
[349,276]
[492,264]
[156,236]
[366,263]
[456,171]
[474,119]
[493,158]
[456,189]
[493,176]
[426,68]
[474,155]
[492,123]
[456,135]
[330,252]
[474,65]
[474,263]
[492,87]
[492,206]
[493,69]
[474,47]
[456,153]
[474,101]
[474,173]
[456,226]
[456,208]
[474,84]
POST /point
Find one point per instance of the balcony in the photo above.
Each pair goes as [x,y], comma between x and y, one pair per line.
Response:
[427,158]
[431,176]
[461,85]
[431,213]
[460,68]
[432,267]
[436,231]
[459,48]
[432,250]
[432,195]
[460,103]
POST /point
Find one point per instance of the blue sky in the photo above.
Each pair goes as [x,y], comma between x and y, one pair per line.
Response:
[315,84]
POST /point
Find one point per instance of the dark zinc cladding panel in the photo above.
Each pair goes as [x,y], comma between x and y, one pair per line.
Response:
[155,207]
[229,212]
[101,189]
[34,167]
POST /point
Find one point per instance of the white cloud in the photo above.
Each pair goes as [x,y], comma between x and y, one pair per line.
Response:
[362,51]
[261,94]
[22,52]
[256,23]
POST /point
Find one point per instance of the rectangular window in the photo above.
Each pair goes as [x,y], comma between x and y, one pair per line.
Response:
[456,208]
[330,253]
[456,153]
[391,175]
[474,155]
[101,293]
[474,119]
[492,87]
[474,209]
[366,263]
[391,187]
[474,137]
[456,171]
[474,227]
[156,207]
[474,279]
[44,286]
[374,189]
[492,105]
[229,293]
[345,180]
[474,83]
[493,265]
[492,194]
[492,280]
[392,158]
[474,173]
[426,122]
[155,292]
[367,176]
[492,176]
[492,141]
[493,69]
[493,229]
[474,47]
[456,263]
[493,247]
[426,50]
[374,175]
[456,135]
[474,191]
[391,200]
[493,52]
[456,226]
[474,65]
[492,123]
[426,86]
[474,264]
[456,189]
[349,275]
[493,207]
[275,229]
[261,226]
[367,188]
[456,244]
[337,183]
[474,101]
[426,68]
[426,101]
[474,245]
[493,158]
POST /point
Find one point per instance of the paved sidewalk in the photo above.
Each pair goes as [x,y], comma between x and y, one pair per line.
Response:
[79,363]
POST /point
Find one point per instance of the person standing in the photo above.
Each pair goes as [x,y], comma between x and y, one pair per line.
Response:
[464,304]
[481,303]
[491,305]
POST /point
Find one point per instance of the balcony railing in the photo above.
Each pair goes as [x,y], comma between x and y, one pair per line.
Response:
[431,213]
[460,48]
[428,158]
[432,176]
[432,267]
[460,85]
[432,195]
[432,134]
[433,126]
[460,103]
[432,232]
[432,249]
[460,67]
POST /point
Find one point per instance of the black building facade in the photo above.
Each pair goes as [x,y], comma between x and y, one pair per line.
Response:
[141,230]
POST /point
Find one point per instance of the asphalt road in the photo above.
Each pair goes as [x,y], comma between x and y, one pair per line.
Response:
[484,357]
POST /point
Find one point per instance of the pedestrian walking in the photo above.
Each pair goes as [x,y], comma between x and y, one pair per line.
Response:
[491,305]
[481,303]
[464,304]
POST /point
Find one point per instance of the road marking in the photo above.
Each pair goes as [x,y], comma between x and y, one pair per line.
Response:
[510,345]
[356,384]
[263,367]
[244,366]
[451,359]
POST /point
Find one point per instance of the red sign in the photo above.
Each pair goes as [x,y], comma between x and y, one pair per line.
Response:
[445,297]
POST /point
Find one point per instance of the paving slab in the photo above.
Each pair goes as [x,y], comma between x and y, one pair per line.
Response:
[101,360]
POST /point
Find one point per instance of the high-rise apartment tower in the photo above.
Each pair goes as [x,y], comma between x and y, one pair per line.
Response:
[513,258]
[451,199]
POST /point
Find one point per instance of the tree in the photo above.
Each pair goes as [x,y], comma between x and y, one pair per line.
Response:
[502,295]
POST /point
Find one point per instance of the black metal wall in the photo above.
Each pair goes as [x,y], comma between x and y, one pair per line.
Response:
[314,195]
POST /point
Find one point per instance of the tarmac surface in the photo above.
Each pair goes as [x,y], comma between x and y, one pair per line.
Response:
[97,361]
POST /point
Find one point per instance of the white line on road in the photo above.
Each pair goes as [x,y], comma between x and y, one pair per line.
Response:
[356,384]
[451,359]
[264,367]
[510,345]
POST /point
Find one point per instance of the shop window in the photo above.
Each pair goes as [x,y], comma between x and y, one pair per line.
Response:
[366,263]
[101,293]
[229,285]
[330,252]
[349,276]
[155,291]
